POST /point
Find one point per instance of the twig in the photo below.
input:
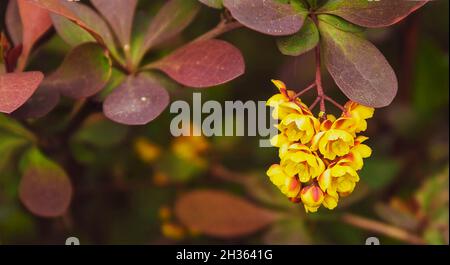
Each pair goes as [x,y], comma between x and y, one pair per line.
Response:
[221,28]
[339,106]
[382,228]
[314,103]
[305,90]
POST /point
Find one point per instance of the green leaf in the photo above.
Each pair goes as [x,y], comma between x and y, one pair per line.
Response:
[301,42]
[340,23]
[358,67]
[84,72]
[117,78]
[75,35]
[379,172]
[213,3]
[11,126]
[372,14]
[45,189]
[9,146]
[94,130]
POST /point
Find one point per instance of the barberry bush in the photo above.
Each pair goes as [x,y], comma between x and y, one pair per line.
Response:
[359,89]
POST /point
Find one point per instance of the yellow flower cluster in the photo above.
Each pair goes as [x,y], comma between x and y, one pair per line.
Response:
[319,159]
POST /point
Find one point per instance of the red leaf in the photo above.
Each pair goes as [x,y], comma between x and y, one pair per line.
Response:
[266,16]
[59,7]
[35,22]
[358,67]
[204,63]
[13,22]
[40,104]
[222,215]
[136,101]
[45,189]
[119,14]
[372,14]
[17,88]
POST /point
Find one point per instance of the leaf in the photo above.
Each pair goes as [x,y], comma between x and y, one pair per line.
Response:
[35,22]
[340,23]
[137,101]
[40,104]
[173,18]
[266,16]
[17,88]
[222,215]
[9,145]
[13,127]
[358,67]
[213,3]
[203,63]
[83,73]
[45,189]
[301,42]
[119,14]
[372,14]
[13,22]
[94,130]
[64,8]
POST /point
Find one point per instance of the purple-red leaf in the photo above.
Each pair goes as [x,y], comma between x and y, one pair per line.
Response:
[45,189]
[266,16]
[84,72]
[119,14]
[372,14]
[61,8]
[17,88]
[40,104]
[173,17]
[137,101]
[358,67]
[35,22]
[13,22]
[204,63]
[222,215]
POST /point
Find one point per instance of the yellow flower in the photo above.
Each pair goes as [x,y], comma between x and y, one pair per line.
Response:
[285,102]
[298,127]
[312,197]
[359,113]
[330,201]
[288,184]
[358,152]
[339,178]
[332,143]
[299,160]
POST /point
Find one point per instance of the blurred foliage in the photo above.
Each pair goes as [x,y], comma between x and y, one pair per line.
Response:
[128,180]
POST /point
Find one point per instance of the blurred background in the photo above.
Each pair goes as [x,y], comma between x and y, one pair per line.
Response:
[127,180]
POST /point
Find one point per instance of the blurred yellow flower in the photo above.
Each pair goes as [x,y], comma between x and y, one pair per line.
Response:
[173,231]
[146,150]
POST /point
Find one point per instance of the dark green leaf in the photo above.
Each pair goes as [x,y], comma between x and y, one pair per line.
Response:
[303,41]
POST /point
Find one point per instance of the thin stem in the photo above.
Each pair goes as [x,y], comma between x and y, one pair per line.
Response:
[314,103]
[382,228]
[320,92]
[305,90]
[332,101]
